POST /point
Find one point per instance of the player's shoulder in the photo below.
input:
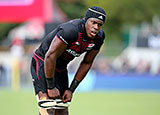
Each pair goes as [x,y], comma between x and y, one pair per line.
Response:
[72,28]
[71,25]
[76,22]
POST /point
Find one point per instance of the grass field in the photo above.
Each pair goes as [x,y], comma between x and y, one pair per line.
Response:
[92,103]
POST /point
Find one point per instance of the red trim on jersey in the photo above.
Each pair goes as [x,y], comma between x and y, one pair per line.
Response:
[58,70]
[60,39]
[39,57]
[37,64]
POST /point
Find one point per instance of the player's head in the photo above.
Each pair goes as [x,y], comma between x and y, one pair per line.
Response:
[95,12]
[93,20]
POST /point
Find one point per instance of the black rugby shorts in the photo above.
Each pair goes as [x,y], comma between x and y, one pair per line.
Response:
[39,80]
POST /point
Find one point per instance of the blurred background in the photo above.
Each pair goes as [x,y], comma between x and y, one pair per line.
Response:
[125,77]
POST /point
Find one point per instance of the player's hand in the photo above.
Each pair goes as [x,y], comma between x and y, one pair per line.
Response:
[67,96]
[53,93]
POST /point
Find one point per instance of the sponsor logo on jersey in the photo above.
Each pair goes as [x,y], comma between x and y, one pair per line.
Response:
[72,52]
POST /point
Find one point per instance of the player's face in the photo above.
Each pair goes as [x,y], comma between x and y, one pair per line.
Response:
[93,26]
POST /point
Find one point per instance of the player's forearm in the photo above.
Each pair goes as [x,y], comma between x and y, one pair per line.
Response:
[82,71]
[86,64]
[49,68]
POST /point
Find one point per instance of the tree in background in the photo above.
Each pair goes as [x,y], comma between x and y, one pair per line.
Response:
[73,8]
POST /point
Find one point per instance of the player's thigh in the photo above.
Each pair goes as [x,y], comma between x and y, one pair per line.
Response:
[61,79]
[38,76]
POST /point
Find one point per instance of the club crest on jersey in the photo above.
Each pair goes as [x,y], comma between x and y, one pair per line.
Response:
[90,46]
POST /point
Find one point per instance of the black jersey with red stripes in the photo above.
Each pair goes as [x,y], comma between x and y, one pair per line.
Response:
[71,33]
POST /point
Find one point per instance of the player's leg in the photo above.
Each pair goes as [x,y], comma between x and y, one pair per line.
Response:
[42,96]
[61,79]
[39,84]
[43,111]
[38,76]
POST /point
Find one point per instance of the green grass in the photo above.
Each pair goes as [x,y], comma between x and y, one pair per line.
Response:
[92,103]
[17,103]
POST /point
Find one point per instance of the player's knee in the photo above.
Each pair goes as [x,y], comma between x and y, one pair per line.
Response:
[42,96]
[43,111]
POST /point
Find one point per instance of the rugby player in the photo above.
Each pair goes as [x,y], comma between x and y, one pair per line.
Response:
[58,48]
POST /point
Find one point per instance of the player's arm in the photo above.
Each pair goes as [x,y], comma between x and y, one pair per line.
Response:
[57,47]
[85,65]
[80,74]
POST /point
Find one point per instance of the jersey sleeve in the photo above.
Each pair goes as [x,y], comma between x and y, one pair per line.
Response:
[99,40]
[67,33]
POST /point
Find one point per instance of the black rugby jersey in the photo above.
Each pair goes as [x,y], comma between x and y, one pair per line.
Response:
[71,34]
